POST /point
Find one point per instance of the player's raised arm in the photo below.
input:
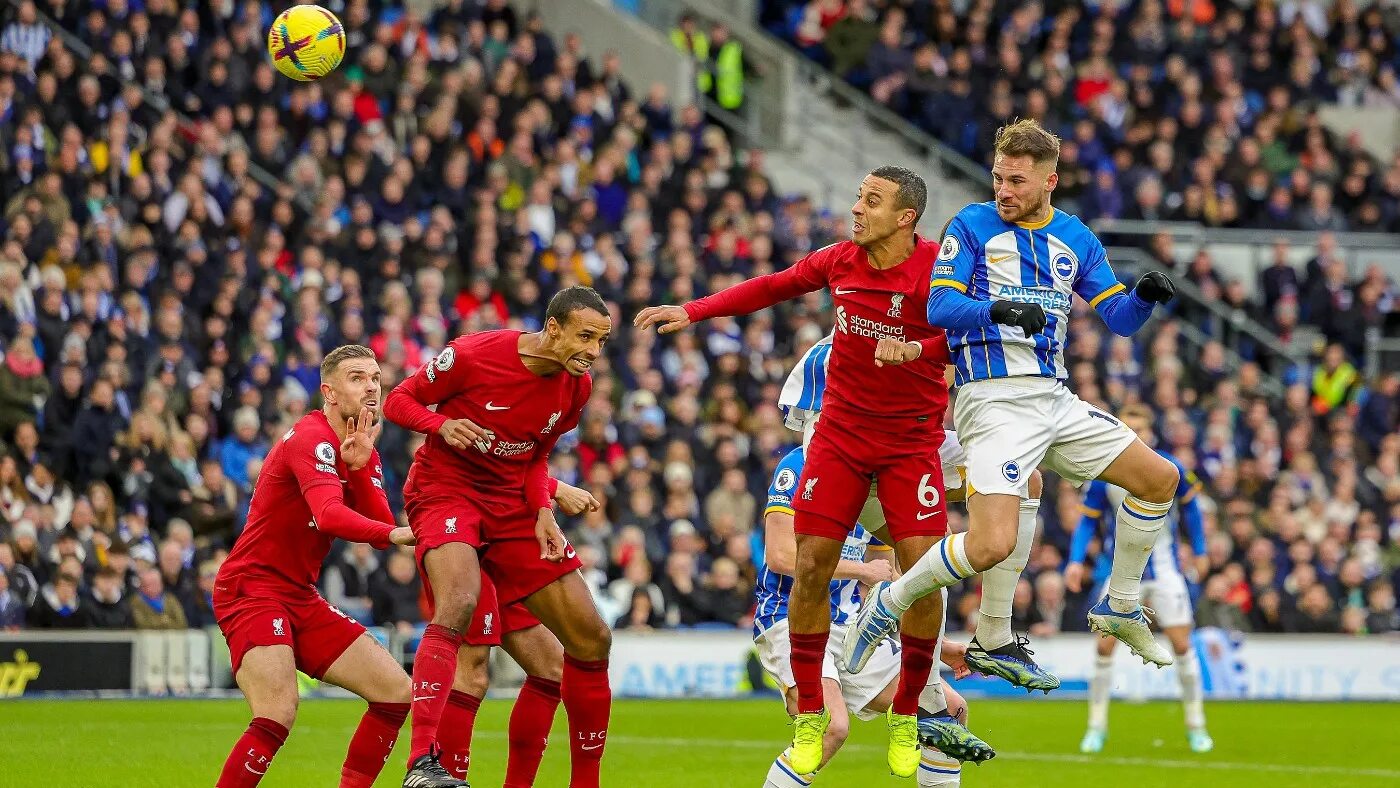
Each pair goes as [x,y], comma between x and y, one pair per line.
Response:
[407,405]
[1123,312]
[320,485]
[949,303]
[366,468]
[808,274]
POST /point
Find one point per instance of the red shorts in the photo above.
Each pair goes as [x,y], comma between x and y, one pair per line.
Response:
[315,629]
[491,621]
[510,555]
[840,464]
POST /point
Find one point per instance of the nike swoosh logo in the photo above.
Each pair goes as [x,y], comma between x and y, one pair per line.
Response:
[254,771]
[999,258]
[842,291]
[489,406]
[586,747]
[925,515]
[417,698]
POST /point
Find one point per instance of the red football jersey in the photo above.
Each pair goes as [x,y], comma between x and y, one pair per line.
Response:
[282,543]
[481,377]
[871,304]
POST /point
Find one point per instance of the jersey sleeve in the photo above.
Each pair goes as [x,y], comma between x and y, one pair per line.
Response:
[1122,311]
[407,405]
[367,490]
[1095,502]
[812,272]
[957,256]
[311,457]
[1188,498]
[785,478]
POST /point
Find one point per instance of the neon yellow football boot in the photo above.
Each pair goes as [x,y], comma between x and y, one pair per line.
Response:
[807,736]
[904,753]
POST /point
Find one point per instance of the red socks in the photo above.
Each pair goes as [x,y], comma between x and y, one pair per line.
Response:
[370,746]
[433,669]
[588,704]
[808,653]
[530,721]
[253,753]
[455,732]
[916,663]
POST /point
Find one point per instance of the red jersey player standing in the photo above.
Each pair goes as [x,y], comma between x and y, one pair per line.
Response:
[322,481]
[882,421]
[478,499]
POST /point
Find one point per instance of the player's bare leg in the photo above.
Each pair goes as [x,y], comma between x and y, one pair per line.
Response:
[454,574]
[809,628]
[541,655]
[367,670]
[455,730]
[781,774]
[566,608]
[268,678]
[1188,674]
[1151,481]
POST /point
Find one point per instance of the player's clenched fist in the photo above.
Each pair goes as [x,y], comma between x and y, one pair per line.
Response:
[1074,577]
[667,319]
[1029,317]
[461,433]
[878,570]
[1155,287]
[573,500]
[896,351]
[402,535]
[551,539]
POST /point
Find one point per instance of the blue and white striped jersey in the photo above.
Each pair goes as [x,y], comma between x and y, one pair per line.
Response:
[772,591]
[989,259]
[1101,502]
[802,392]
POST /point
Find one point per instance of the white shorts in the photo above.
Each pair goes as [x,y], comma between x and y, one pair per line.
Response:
[775,653]
[1011,426]
[1169,599]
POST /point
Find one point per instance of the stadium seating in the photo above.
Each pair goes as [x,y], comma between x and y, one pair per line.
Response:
[185,233]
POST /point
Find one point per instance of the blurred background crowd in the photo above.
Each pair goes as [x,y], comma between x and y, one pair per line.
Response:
[164,307]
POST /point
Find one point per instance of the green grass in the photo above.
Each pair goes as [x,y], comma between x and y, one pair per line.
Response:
[719,744]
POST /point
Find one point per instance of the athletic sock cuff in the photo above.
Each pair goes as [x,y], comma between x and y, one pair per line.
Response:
[591,666]
[391,711]
[464,700]
[440,632]
[546,687]
[271,727]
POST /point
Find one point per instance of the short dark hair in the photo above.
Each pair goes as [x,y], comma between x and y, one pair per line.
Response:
[342,354]
[572,299]
[912,193]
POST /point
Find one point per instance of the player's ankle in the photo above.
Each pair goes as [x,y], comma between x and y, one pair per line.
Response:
[1120,605]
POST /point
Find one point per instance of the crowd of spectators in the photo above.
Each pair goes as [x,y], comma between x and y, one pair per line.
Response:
[163,312]
[1201,111]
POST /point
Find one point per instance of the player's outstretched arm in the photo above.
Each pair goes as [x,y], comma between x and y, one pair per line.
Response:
[780,554]
[327,504]
[407,405]
[808,274]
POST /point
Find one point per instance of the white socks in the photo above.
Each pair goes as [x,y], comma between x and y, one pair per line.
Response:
[999,582]
[945,564]
[937,770]
[781,775]
[1139,522]
[1100,689]
[1188,672]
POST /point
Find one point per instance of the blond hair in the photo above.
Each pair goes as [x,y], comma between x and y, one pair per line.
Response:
[342,354]
[1027,137]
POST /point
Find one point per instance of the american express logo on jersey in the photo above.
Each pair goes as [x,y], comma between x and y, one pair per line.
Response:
[1047,299]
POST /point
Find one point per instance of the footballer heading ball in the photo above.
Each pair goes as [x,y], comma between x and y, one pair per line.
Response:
[306,42]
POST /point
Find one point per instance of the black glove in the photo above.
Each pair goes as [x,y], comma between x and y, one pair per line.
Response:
[1030,317]
[1155,288]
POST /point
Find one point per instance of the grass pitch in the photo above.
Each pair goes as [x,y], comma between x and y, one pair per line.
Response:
[720,744]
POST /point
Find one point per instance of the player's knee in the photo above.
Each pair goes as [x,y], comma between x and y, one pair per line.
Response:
[989,547]
[399,688]
[474,682]
[455,608]
[281,710]
[1161,484]
[1036,485]
[836,734]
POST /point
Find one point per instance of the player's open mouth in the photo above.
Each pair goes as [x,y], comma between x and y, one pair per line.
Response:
[371,403]
[857,228]
[582,362]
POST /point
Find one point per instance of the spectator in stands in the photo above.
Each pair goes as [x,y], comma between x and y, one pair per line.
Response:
[95,434]
[179,580]
[723,598]
[393,593]
[109,601]
[1215,610]
[1381,615]
[26,36]
[59,606]
[153,607]
[13,611]
[1335,380]
[346,582]
[22,383]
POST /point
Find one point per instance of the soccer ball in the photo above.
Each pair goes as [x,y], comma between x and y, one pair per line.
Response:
[306,42]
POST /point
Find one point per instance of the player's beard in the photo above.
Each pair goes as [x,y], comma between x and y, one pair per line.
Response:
[1032,211]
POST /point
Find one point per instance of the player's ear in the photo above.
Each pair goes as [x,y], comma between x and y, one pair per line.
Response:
[327,393]
[908,217]
[1052,181]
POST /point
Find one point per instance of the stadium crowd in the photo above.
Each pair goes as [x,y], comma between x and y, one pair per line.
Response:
[1199,111]
[163,313]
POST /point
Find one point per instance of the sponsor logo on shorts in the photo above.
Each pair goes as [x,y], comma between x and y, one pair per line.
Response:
[451,524]
[896,305]
[925,515]
[488,623]
[807,488]
[279,627]
[1101,415]
[1011,471]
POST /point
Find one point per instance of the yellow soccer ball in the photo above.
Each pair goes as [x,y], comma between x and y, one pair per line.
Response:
[306,42]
